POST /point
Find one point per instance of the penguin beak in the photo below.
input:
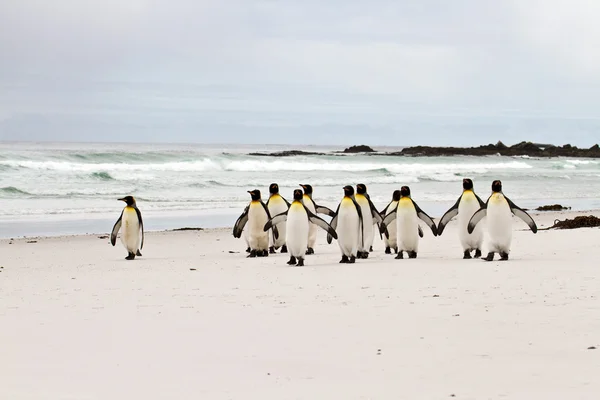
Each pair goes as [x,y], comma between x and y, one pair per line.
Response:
[123,199]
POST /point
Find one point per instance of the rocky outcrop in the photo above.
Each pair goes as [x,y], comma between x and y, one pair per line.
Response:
[288,153]
[359,149]
[552,207]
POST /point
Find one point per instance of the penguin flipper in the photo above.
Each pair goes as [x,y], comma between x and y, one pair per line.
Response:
[478,216]
[333,224]
[519,212]
[481,202]
[374,212]
[420,231]
[238,227]
[426,218]
[451,213]
[141,221]
[320,222]
[115,230]
[279,218]
[274,227]
[389,218]
[360,220]
[324,210]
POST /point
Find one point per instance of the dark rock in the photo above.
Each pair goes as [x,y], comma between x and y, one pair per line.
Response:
[288,153]
[103,237]
[359,149]
[552,207]
[592,348]
[589,221]
[187,229]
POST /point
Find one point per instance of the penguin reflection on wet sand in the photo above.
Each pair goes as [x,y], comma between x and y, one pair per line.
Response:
[315,209]
[406,214]
[277,205]
[255,215]
[499,211]
[467,204]
[370,216]
[348,223]
[299,218]
[131,226]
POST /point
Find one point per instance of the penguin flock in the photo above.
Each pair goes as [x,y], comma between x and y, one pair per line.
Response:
[292,227]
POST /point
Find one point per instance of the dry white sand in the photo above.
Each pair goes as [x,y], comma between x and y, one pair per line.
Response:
[77,321]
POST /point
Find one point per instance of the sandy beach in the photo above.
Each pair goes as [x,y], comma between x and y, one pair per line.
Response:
[194,319]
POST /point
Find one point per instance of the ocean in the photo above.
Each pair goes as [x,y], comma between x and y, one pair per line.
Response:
[67,188]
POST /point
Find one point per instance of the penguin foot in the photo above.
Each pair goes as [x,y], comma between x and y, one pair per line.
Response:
[477,253]
[467,255]
[310,250]
[503,256]
[131,256]
[252,254]
[272,249]
[412,254]
[362,254]
[300,262]
[352,260]
[400,255]
[490,257]
[138,253]
[396,249]
[292,260]
[344,260]
[388,250]
[265,253]
[284,249]
[371,249]
[248,250]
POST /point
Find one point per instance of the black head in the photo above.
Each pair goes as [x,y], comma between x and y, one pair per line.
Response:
[467,184]
[405,191]
[255,194]
[396,195]
[496,186]
[129,200]
[348,191]
[298,194]
[273,188]
[361,188]
[307,189]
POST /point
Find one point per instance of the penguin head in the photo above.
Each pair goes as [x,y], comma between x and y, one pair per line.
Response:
[396,195]
[496,186]
[348,191]
[129,200]
[307,189]
[361,188]
[467,184]
[255,194]
[405,191]
[273,188]
[298,194]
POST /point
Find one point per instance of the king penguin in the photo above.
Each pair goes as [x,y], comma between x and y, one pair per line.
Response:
[348,223]
[131,225]
[277,205]
[256,215]
[467,204]
[298,218]
[370,217]
[499,209]
[390,240]
[407,227]
[315,209]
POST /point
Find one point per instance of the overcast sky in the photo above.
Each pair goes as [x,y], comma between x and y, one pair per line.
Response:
[303,72]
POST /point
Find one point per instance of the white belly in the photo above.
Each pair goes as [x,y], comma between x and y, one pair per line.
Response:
[258,239]
[296,238]
[277,206]
[348,229]
[130,230]
[466,208]
[367,224]
[407,228]
[499,224]
[312,229]
[392,229]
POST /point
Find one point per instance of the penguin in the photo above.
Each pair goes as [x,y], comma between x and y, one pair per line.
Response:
[347,221]
[315,209]
[299,219]
[256,215]
[277,205]
[370,216]
[131,225]
[390,239]
[407,227]
[499,209]
[467,204]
